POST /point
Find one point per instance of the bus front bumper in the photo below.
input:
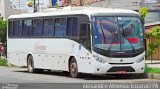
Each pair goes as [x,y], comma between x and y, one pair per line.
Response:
[119,68]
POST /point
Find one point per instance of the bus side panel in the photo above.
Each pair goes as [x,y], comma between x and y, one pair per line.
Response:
[57,53]
[15,53]
[49,53]
[84,58]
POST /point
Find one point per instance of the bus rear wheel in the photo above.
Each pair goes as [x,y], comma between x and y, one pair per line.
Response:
[30,64]
[31,68]
[73,69]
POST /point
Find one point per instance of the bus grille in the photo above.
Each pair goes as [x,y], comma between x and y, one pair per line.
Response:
[126,68]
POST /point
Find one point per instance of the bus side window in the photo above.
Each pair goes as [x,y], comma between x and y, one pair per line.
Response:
[27,28]
[85,38]
[15,28]
[72,27]
[10,30]
[48,27]
[60,27]
[20,28]
[37,27]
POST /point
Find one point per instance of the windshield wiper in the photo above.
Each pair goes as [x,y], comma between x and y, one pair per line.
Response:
[103,33]
[116,34]
[105,38]
[124,35]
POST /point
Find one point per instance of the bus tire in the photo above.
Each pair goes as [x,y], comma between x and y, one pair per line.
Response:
[30,64]
[73,69]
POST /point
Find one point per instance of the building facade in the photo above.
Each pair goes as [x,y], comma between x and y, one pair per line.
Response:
[148,27]
[152,16]
[5,9]
[12,7]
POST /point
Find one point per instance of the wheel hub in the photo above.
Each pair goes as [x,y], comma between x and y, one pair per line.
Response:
[73,68]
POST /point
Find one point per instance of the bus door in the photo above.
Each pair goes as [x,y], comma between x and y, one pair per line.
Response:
[85,41]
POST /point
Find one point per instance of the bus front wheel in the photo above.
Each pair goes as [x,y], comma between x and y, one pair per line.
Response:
[73,69]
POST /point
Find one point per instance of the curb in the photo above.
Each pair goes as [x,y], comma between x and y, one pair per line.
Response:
[147,76]
[153,76]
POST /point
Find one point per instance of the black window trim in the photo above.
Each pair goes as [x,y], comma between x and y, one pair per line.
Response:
[89,28]
[43,36]
[23,28]
[41,29]
[65,27]
[73,37]
[76,38]
[10,35]
[14,29]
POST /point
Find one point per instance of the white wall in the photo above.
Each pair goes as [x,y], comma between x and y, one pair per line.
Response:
[8,10]
[125,4]
[2,8]
[152,16]
[5,9]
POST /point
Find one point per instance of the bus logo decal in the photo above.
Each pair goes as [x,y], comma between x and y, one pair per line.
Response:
[39,46]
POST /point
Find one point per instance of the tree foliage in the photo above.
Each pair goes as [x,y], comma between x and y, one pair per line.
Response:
[143,11]
[3,30]
[153,34]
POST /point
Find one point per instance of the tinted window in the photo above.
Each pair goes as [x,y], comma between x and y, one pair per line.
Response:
[27,28]
[10,30]
[83,34]
[83,29]
[60,27]
[15,28]
[48,27]
[85,38]
[118,33]
[20,27]
[72,27]
[37,27]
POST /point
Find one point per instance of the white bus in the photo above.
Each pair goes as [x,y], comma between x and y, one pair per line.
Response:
[78,40]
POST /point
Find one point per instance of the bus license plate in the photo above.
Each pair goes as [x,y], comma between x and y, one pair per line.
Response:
[121,72]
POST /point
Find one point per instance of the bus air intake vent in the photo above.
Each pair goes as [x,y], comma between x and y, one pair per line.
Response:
[126,68]
[120,63]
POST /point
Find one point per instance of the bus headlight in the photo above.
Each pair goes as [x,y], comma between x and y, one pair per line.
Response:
[140,59]
[101,60]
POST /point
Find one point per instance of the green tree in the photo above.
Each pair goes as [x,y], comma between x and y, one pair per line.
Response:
[143,11]
[3,34]
[153,34]
[3,31]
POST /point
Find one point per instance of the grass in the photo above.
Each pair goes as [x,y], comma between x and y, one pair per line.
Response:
[3,62]
[152,70]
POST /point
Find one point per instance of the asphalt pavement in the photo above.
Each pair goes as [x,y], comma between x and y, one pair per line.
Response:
[19,78]
[20,75]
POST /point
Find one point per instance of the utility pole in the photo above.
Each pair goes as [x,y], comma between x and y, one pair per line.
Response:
[80,3]
[38,6]
[34,6]
[19,6]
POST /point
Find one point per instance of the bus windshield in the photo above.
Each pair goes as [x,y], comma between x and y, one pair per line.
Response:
[117,33]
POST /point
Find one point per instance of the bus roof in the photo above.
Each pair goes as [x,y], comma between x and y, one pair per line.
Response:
[72,11]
